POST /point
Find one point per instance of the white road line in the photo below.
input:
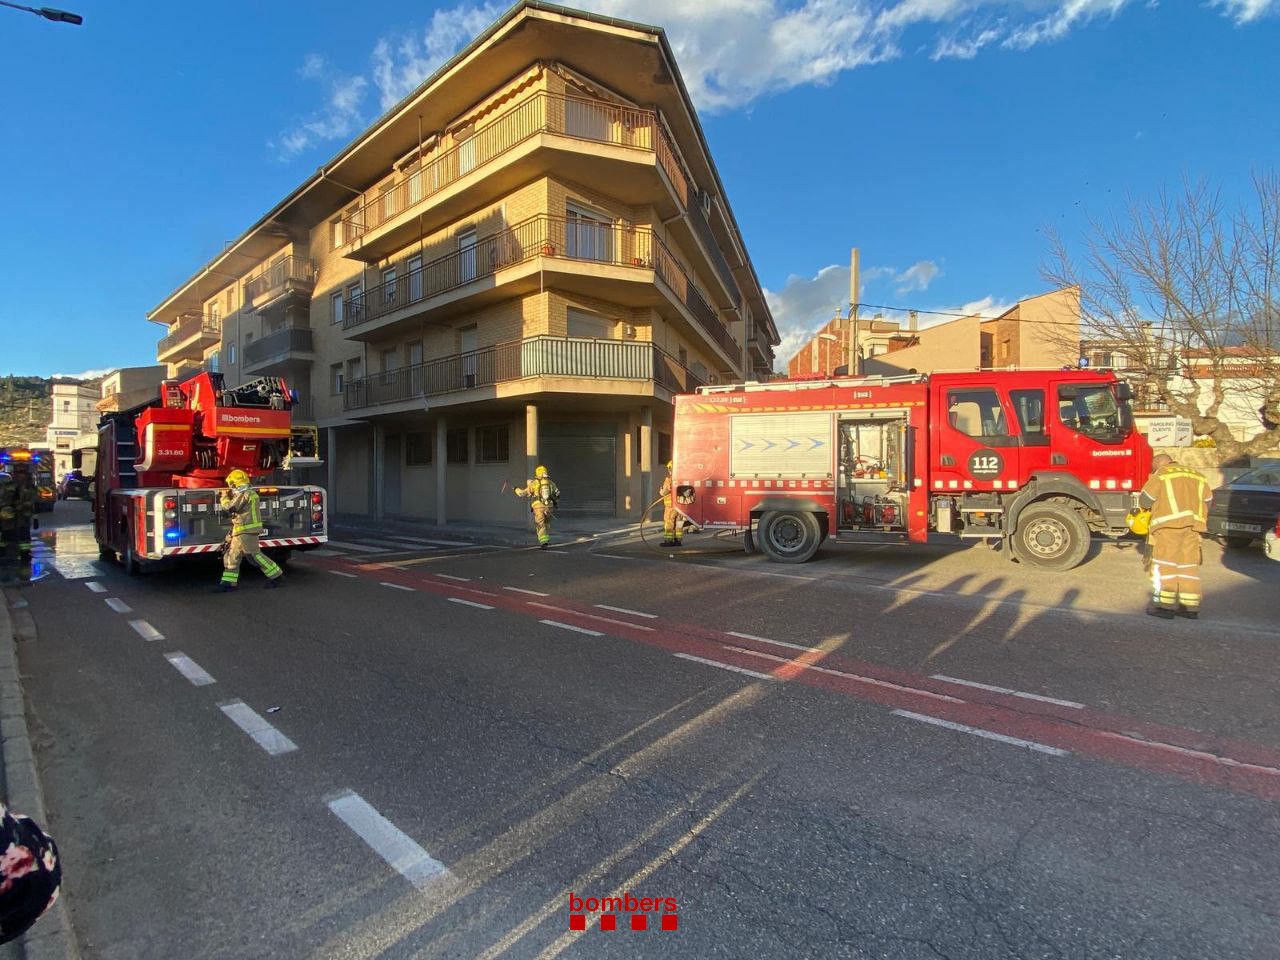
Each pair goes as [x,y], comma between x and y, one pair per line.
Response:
[470,603]
[592,616]
[324,553]
[532,593]
[1011,692]
[569,626]
[394,846]
[979,732]
[264,734]
[358,547]
[888,685]
[145,630]
[634,613]
[777,643]
[96,587]
[396,586]
[190,669]
[342,573]
[725,666]
[449,576]
[118,605]
[387,544]
[615,556]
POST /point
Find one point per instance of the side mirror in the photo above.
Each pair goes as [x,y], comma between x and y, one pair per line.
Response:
[1124,392]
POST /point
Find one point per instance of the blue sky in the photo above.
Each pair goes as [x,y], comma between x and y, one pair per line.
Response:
[939,136]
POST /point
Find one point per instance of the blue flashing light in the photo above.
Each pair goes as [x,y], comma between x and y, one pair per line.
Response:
[172,534]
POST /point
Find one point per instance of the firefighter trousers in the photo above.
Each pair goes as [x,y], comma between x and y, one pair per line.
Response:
[672,522]
[541,520]
[1175,567]
[15,550]
[246,545]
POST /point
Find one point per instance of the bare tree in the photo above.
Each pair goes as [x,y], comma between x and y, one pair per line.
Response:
[1185,291]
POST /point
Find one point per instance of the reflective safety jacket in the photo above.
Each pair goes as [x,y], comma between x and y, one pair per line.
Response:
[17,503]
[1178,497]
[542,489]
[667,492]
[243,506]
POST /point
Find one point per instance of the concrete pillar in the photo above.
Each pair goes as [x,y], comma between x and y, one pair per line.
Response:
[441,459]
[379,468]
[331,466]
[646,456]
[530,439]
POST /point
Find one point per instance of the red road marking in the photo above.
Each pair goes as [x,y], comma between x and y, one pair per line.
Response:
[1204,758]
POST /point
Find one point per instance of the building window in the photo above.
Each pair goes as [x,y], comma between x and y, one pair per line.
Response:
[353,369]
[66,406]
[492,444]
[214,362]
[335,232]
[335,306]
[231,354]
[388,360]
[456,446]
[466,256]
[417,449]
[389,285]
[413,353]
[388,197]
[588,326]
[664,450]
[335,379]
[1102,359]
[588,235]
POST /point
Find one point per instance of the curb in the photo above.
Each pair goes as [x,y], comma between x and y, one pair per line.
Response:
[52,937]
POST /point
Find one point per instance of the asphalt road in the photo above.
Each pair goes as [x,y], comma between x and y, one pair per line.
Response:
[420,749]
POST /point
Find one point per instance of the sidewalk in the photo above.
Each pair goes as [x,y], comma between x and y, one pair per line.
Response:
[563,529]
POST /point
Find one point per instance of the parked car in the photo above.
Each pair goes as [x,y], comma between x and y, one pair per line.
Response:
[74,485]
[1245,509]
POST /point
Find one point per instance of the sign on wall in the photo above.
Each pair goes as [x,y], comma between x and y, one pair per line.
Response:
[1169,432]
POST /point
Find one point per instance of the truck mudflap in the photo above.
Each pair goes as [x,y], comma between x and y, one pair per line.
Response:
[266,544]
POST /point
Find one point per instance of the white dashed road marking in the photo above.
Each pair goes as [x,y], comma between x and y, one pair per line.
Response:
[394,846]
[470,603]
[396,586]
[634,613]
[776,643]
[264,734]
[118,605]
[145,630]
[358,547]
[591,616]
[1014,693]
[342,573]
[569,626]
[449,576]
[189,669]
[96,587]
[725,666]
[532,593]
[979,732]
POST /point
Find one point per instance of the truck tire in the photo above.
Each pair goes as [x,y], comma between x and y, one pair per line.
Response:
[106,553]
[789,537]
[130,561]
[1051,536]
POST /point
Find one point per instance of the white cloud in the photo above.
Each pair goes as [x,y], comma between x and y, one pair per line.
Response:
[1246,11]
[918,276]
[733,52]
[84,374]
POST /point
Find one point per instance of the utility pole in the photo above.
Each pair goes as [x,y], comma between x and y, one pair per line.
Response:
[854,287]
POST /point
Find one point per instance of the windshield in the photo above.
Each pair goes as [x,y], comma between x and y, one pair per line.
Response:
[1265,476]
[1093,410]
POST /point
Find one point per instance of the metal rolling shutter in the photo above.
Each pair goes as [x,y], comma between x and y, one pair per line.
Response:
[582,460]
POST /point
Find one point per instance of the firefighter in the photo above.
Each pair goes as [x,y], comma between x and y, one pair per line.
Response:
[17,516]
[241,501]
[543,495]
[1178,499]
[672,522]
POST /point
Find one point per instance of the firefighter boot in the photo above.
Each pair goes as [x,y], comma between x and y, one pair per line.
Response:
[1164,613]
[274,582]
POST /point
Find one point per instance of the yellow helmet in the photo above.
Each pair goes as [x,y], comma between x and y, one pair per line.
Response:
[670,465]
[1138,521]
[540,472]
[237,478]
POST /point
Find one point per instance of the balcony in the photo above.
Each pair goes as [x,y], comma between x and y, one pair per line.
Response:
[600,145]
[109,403]
[520,359]
[189,338]
[619,262]
[280,352]
[287,280]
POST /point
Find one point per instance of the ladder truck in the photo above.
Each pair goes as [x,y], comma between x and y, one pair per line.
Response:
[1037,460]
[162,465]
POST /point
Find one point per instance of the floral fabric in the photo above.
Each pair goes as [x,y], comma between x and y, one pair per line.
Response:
[30,874]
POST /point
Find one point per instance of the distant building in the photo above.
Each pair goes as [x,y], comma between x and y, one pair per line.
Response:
[129,386]
[835,345]
[75,416]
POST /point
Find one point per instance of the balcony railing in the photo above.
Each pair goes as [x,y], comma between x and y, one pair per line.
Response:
[278,345]
[289,270]
[190,326]
[595,121]
[517,359]
[546,236]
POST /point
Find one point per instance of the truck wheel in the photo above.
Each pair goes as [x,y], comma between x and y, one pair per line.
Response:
[788,537]
[1052,536]
[132,565]
[106,553]
[749,542]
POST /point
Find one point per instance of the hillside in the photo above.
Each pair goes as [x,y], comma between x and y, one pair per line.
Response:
[24,410]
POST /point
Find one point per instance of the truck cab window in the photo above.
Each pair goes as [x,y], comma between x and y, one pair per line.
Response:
[977,413]
[1029,407]
[1092,409]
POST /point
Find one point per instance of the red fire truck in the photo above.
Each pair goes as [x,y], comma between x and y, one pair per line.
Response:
[161,466]
[1037,459]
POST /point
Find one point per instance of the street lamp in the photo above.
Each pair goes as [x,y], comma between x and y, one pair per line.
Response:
[49,13]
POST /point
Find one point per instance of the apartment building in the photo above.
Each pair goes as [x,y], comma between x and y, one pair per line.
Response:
[74,421]
[520,263]
[128,387]
[846,344]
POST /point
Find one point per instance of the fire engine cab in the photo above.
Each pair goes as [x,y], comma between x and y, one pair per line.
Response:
[1037,459]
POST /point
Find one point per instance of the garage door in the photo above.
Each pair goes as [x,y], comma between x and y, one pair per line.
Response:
[582,461]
